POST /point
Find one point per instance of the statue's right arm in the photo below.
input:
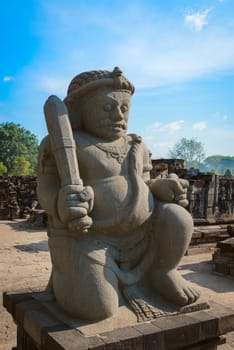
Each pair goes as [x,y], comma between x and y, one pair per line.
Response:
[68,205]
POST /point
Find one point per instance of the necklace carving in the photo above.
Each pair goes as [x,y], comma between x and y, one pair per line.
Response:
[118,151]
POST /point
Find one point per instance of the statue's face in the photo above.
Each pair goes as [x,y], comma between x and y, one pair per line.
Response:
[105,113]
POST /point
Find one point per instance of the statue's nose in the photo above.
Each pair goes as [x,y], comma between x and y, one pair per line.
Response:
[116,113]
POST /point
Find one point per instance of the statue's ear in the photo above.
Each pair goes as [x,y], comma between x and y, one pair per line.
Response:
[75,119]
[74,113]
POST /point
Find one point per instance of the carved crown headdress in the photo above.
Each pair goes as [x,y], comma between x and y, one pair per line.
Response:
[88,81]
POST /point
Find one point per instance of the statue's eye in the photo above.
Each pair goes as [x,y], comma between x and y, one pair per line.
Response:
[107,107]
[124,108]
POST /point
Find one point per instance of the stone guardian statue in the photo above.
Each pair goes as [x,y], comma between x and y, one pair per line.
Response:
[112,231]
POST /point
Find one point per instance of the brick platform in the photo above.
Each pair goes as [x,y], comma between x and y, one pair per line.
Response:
[206,237]
[37,329]
[223,258]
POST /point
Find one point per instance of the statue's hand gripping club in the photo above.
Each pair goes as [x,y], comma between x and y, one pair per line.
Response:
[75,201]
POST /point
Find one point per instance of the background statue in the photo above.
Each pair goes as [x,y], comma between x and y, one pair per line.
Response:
[111,228]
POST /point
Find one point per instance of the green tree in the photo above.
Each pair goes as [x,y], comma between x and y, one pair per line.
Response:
[15,141]
[21,167]
[191,150]
[3,169]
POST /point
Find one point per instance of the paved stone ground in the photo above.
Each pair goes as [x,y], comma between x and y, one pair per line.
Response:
[25,264]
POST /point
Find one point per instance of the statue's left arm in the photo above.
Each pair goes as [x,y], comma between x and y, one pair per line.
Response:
[171,189]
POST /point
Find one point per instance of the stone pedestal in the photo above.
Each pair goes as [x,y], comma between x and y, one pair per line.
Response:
[38,329]
[223,258]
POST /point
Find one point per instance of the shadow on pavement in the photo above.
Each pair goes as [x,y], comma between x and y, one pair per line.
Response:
[37,247]
[203,275]
[24,225]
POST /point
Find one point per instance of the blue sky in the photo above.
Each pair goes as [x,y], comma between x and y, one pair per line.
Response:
[179,54]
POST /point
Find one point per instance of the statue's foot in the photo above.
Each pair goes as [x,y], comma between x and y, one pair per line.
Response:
[172,286]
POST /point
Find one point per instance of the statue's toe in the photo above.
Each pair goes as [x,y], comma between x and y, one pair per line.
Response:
[191,295]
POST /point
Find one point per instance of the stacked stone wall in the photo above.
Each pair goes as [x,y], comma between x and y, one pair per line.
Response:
[17,196]
[211,197]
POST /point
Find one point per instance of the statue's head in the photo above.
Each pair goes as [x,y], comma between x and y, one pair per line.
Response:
[99,101]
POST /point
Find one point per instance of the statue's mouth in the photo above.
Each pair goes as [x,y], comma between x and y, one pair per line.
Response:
[117,126]
[108,123]
[113,126]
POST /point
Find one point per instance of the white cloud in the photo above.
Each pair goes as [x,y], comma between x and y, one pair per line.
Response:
[148,59]
[7,78]
[180,58]
[174,126]
[169,127]
[197,20]
[200,125]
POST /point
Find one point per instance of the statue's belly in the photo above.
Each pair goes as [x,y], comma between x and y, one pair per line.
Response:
[120,205]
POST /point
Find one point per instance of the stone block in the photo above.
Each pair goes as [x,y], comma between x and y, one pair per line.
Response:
[25,306]
[35,321]
[207,345]
[24,342]
[179,330]
[153,337]
[225,317]
[123,338]
[201,249]
[209,324]
[11,299]
[227,245]
[71,339]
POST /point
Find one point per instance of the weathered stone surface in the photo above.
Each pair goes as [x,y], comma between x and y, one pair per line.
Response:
[11,299]
[152,336]
[17,197]
[104,211]
[223,257]
[179,331]
[210,196]
[26,306]
[209,325]
[38,329]
[70,339]
[123,338]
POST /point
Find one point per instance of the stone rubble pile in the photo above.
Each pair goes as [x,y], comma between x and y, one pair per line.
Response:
[18,199]
[211,197]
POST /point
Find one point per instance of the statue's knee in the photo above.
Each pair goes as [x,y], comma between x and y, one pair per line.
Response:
[183,219]
[89,306]
[97,302]
[105,309]
[174,216]
[93,293]
[173,224]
